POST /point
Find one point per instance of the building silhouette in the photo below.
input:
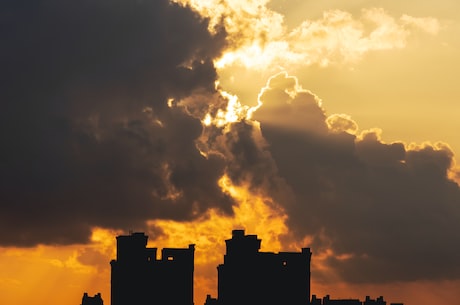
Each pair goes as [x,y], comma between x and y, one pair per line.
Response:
[249,277]
[328,301]
[210,300]
[96,300]
[368,301]
[139,278]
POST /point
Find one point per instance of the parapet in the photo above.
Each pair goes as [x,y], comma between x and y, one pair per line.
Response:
[96,300]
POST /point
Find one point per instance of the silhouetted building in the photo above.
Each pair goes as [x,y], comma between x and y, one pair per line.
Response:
[96,300]
[328,301]
[139,278]
[249,277]
[210,300]
[378,301]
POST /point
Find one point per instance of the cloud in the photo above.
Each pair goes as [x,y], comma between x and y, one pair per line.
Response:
[428,24]
[372,211]
[340,37]
[260,40]
[88,138]
[286,104]
[339,123]
[378,211]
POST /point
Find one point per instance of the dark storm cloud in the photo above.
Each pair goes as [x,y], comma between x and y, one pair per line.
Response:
[250,164]
[87,136]
[386,211]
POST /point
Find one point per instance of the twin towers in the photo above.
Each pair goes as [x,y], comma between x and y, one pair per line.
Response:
[247,276]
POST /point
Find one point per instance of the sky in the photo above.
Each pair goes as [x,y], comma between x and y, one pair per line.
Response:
[323,124]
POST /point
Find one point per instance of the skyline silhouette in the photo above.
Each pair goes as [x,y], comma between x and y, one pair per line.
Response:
[247,276]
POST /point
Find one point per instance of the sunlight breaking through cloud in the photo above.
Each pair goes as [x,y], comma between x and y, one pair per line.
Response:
[258,38]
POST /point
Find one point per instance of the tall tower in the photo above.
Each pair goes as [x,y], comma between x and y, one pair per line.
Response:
[249,276]
[139,278]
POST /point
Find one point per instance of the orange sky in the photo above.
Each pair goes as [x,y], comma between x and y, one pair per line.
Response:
[318,124]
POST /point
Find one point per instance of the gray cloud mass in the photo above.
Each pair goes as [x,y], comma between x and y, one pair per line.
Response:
[87,136]
[387,212]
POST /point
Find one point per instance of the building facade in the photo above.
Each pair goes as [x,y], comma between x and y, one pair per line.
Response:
[138,277]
